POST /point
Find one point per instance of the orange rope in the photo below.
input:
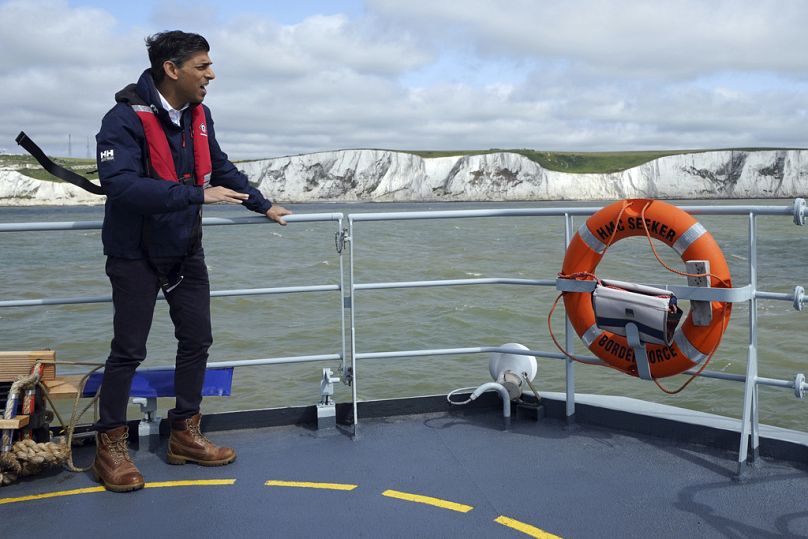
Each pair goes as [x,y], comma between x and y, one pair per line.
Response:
[698,372]
[723,318]
[672,270]
[616,226]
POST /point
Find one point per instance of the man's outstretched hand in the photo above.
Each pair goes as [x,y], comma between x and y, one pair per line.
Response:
[276,213]
[223,194]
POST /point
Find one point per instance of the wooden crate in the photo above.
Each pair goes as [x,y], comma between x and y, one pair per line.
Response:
[16,364]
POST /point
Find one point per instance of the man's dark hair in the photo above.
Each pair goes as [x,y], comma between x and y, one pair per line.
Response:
[176,46]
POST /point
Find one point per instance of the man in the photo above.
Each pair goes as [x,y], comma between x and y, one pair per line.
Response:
[159,161]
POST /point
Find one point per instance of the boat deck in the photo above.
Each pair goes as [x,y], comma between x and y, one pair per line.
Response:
[443,474]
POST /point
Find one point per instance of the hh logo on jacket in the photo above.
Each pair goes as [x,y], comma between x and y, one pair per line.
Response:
[107,155]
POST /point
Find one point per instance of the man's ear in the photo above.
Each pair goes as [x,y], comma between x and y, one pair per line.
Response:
[171,70]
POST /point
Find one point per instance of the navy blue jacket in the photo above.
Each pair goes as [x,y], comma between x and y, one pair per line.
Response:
[147,217]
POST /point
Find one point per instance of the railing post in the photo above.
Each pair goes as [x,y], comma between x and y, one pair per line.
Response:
[351,303]
[749,426]
[569,340]
[340,240]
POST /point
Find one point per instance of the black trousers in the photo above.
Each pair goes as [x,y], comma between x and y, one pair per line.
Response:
[134,293]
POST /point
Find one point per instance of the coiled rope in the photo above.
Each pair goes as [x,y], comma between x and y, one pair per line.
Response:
[27,457]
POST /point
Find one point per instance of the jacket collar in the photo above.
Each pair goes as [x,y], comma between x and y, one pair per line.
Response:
[144,92]
[147,91]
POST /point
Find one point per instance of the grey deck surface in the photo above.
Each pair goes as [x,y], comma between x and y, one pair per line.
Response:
[568,481]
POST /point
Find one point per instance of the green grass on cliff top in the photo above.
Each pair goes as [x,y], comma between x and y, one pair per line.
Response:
[574,162]
[583,162]
[27,165]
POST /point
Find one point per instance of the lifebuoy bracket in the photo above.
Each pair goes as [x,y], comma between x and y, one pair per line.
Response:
[691,293]
[698,275]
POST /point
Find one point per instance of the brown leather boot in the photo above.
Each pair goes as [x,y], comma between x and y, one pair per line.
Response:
[187,443]
[112,465]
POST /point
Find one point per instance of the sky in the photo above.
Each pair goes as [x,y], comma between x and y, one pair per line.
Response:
[304,76]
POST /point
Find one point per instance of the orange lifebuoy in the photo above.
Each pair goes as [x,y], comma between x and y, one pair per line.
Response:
[691,344]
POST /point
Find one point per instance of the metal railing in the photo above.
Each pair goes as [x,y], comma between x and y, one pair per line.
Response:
[749,427]
[349,354]
[208,221]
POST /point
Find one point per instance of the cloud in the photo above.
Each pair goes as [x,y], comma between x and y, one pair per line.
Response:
[196,16]
[59,68]
[579,75]
[666,38]
[52,33]
[330,43]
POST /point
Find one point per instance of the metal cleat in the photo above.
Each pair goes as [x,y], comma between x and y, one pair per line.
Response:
[326,409]
[150,423]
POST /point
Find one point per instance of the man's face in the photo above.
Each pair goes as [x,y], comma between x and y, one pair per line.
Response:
[193,77]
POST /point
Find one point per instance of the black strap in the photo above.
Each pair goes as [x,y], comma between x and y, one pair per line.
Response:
[58,171]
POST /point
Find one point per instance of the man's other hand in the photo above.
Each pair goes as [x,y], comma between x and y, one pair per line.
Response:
[223,194]
[276,213]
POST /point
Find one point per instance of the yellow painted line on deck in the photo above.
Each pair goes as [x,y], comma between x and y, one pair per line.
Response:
[52,495]
[437,502]
[90,490]
[194,483]
[305,484]
[527,529]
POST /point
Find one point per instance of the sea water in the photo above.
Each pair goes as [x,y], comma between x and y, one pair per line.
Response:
[70,263]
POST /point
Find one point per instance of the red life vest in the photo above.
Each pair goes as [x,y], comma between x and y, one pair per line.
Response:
[162,163]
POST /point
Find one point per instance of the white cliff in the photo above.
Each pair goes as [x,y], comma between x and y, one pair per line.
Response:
[19,190]
[379,175]
[354,175]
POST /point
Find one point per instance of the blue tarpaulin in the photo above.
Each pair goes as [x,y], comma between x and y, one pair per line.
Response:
[160,383]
